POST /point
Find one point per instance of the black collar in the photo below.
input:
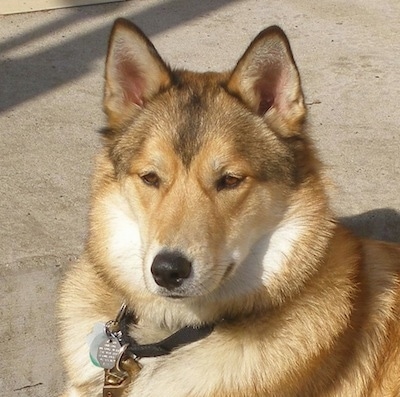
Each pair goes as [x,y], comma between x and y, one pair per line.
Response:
[180,338]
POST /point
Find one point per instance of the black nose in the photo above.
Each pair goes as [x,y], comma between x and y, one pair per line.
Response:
[169,269]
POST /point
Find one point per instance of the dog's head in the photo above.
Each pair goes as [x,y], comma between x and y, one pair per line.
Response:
[198,170]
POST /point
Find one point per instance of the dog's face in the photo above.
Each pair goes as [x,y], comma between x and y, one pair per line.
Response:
[199,166]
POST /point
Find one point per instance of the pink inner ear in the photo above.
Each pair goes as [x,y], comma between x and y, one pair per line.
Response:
[266,97]
[132,83]
[270,88]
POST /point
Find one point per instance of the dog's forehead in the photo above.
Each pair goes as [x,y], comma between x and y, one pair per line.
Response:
[192,125]
[198,118]
[211,124]
[186,118]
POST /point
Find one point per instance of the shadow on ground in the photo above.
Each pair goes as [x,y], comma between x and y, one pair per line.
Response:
[379,224]
[30,76]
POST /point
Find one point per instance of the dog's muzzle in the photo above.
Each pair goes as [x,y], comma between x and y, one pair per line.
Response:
[170,269]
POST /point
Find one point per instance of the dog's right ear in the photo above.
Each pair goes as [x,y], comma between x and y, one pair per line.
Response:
[267,80]
[135,72]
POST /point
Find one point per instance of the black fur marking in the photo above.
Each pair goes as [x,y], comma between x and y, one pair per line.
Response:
[188,133]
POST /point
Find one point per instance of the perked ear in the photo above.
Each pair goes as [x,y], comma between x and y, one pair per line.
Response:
[267,80]
[135,72]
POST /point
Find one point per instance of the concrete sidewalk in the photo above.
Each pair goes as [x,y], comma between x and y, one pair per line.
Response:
[51,79]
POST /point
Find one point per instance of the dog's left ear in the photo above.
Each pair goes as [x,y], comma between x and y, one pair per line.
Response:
[135,72]
[267,80]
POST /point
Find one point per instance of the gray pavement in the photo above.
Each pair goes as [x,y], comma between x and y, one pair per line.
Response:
[51,77]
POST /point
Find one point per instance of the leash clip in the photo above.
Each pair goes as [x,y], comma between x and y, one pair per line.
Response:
[115,383]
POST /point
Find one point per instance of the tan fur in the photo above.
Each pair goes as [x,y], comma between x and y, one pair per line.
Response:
[220,168]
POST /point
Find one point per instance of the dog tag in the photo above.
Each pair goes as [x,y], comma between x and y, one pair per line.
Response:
[97,337]
[104,341]
[108,352]
[104,347]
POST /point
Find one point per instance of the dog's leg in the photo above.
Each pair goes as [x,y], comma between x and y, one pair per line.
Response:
[80,308]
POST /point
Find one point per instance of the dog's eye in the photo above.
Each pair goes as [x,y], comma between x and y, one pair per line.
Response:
[151,179]
[229,182]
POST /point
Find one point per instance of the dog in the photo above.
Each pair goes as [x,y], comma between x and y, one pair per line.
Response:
[210,222]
